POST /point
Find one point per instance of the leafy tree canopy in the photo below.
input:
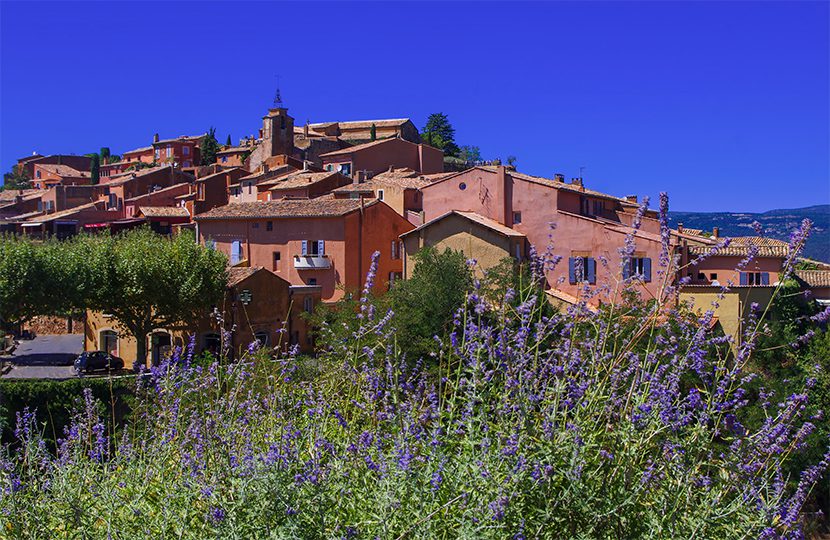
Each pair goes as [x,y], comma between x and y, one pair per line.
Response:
[439,133]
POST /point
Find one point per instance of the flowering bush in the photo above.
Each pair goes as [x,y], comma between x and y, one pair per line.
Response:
[628,422]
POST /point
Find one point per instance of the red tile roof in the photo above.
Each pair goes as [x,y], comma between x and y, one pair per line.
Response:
[164,212]
[814,278]
[359,147]
[63,170]
[303,208]
[299,180]
[471,216]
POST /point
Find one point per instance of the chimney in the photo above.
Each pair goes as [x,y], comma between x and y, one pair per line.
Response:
[716,232]
[504,197]
[264,167]
[559,177]
[577,181]
[631,198]
[680,227]
[305,130]
[156,138]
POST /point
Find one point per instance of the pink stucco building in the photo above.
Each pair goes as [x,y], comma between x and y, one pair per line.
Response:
[322,242]
[377,156]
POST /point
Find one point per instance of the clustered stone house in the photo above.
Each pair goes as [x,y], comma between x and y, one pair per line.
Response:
[299,211]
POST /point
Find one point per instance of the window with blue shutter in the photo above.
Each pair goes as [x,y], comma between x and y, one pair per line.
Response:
[592,270]
[572,270]
[744,279]
[236,252]
[764,278]
[305,247]
[647,269]
[321,247]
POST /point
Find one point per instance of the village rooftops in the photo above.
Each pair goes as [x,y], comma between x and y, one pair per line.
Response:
[164,212]
[275,173]
[138,150]
[358,147]
[63,170]
[299,180]
[235,150]
[285,208]
[362,124]
[814,278]
[63,213]
[10,195]
[183,138]
[475,218]
[741,246]
[238,274]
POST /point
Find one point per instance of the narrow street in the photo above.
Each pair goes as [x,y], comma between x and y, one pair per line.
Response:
[45,357]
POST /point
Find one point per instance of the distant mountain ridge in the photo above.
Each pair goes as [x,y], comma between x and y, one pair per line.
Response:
[777,224]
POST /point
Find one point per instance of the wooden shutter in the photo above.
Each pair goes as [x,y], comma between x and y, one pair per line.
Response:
[572,270]
[764,278]
[647,269]
[744,279]
[305,247]
[321,248]
[592,270]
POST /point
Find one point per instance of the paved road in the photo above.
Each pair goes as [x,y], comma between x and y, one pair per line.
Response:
[47,357]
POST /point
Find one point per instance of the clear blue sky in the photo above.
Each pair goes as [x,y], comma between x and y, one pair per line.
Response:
[725,105]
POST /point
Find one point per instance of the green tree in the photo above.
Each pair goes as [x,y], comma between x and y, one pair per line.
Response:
[105,155]
[424,305]
[511,160]
[470,154]
[16,179]
[145,281]
[95,168]
[439,133]
[208,147]
[373,132]
[228,142]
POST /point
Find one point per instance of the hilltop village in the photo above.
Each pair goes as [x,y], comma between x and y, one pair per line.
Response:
[299,211]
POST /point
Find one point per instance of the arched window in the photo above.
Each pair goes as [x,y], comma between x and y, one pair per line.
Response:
[109,341]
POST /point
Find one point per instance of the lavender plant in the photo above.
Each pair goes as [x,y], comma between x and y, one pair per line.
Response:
[623,423]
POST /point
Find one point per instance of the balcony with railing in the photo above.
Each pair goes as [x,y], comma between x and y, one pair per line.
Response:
[312,262]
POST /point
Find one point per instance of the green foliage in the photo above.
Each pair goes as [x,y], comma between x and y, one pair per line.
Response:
[208,146]
[424,305]
[439,133]
[95,168]
[511,160]
[55,401]
[373,132]
[105,155]
[18,178]
[228,141]
[470,154]
[145,281]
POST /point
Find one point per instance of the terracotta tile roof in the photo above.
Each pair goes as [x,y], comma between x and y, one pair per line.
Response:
[299,180]
[138,150]
[219,173]
[238,274]
[164,212]
[9,195]
[814,278]
[183,138]
[406,181]
[20,217]
[162,191]
[363,124]
[275,173]
[359,147]
[475,218]
[63,213]
[235,150]
[126,177]
[63,170]
[303,208]
[739,246]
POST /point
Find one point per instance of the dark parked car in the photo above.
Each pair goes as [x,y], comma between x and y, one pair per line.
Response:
[97,360]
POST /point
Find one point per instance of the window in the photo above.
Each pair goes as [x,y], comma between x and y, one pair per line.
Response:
[701,276]
[185,150]
[638,267]
[393,277]
[599,207]
[517,217]
[38,174]
[224,159]
[210,243]
[212,343]
[328,167]
[312,281]
[269,225]
[754,279]
[346,169]
[276,261]
[169,150]
[582,269]
[462,186]
[109,341]
[380,194]
[262,338]
[397,249]
[308,304]
[186,164]
[713,277]
[236,252]
[315,248]
[256,225]
[157,153]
